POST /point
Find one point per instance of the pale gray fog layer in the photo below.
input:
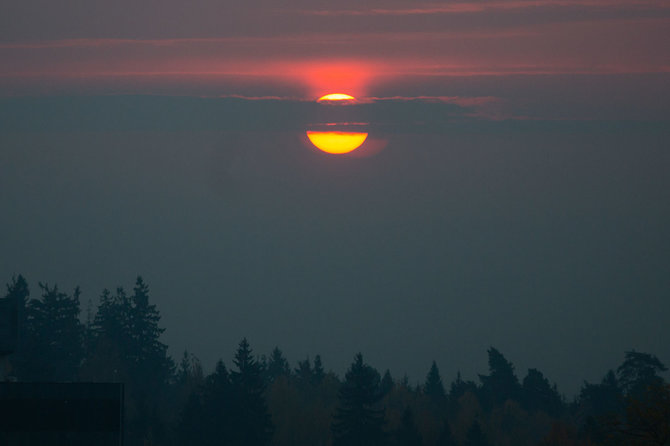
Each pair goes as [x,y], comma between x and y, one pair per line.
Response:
[547,240]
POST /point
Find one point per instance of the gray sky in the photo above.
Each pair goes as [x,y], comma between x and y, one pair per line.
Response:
[547,240]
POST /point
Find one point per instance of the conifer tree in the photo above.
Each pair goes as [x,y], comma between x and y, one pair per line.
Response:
[638,372]
[147,353]
[445,437]
[457,389]
[407,433]
[501,384]
[112,321]
[110,339]
[277,366]
[22,359]
[303,372]
[386,384]
[189,378]
[538,394]
[184,368]
[206,417]
[127,348]
[251,423]
[19,291]
[358,420]
[433,387]
[597,400]
[317,371]
[57,334]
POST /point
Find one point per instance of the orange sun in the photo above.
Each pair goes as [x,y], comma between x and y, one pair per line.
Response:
[336,97]
[337,142]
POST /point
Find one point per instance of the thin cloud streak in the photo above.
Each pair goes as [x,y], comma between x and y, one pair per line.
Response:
[267,72]
[301,39]
[476,7]
[242,40]
[612,46]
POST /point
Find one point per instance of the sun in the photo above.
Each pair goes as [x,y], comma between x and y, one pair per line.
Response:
[337,142]
[336,97]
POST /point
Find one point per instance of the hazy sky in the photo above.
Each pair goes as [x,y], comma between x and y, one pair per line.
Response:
[514,189]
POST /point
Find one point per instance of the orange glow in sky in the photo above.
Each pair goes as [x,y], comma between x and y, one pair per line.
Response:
[326,76]
[337,142]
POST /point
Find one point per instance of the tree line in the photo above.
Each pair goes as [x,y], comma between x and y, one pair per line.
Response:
[263,400]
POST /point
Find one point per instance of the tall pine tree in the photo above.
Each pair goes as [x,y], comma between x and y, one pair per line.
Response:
[206,418]
[148,354]
[445,437]
[110,339]
[126,347]
[407,433]
[359,420]
[317,371]
[303,373]
[277,366]
[538,394]
[501,384]
[251,422]
[386,384]
[56,334]
[433,388]
[22,360]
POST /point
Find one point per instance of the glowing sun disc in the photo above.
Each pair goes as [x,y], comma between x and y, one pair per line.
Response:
[336,97]
[337,142]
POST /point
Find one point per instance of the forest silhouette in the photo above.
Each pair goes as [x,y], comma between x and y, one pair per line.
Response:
[263,400]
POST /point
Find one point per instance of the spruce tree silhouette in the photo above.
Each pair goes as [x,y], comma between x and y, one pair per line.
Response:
[184,368]
[538,394]
[57,333]
[110,339]
[433,387]
[125,346]
[303,373]
[501,384]
[457,389]
[317,371]
[597,402]
[147,352]
[407,433]
[250,418]
[206,417]
[150,367]
[386,384]
[445,437]
[601,399]
[277,366]
[19,291]
[22,359]
[358,421]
